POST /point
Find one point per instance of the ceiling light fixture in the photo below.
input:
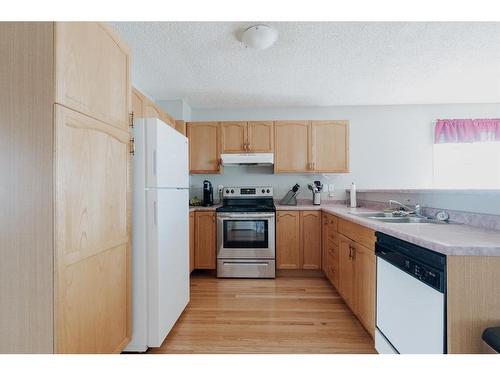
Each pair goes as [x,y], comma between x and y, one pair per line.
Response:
[259,37]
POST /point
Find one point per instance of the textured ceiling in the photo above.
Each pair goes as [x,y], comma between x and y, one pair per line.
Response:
[316,63]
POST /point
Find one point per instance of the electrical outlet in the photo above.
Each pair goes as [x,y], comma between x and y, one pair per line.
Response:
[331,189]
[219,188]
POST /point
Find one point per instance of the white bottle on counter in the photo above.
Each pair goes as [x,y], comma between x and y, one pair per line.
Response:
[354,203]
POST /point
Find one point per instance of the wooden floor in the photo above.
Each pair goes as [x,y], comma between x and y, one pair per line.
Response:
[284,315]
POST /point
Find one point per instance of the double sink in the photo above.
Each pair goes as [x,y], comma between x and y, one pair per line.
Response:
[389,218]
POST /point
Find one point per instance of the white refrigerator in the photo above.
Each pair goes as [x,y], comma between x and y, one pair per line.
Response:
[160,232]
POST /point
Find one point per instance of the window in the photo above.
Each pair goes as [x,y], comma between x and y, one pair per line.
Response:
[467,153]
[467,165]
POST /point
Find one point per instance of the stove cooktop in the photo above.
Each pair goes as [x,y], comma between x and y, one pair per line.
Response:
[247,205]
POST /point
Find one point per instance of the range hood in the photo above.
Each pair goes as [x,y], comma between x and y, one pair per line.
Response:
[247,159]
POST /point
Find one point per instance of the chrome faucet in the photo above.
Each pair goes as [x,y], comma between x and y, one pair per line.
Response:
[417,210]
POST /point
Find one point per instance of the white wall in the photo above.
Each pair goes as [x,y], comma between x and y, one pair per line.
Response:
[390,146]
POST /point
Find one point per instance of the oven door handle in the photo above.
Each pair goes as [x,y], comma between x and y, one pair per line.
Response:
[244,216]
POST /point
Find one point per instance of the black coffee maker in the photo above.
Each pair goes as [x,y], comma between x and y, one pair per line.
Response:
[208,193]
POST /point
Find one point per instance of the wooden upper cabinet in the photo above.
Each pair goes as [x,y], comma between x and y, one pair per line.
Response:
[291,145]
[330,146]
[311,239]
[205,240]
[204,151]
[92,72]
[260,136]
[166,118]
[150,110]
[233,137]
[311,146]
[180,126]
[138,101]
[288,244]
[144,107]
[242,136]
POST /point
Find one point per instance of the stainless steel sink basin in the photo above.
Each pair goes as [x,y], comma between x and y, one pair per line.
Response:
[369,214]
[387,218]
[408,219]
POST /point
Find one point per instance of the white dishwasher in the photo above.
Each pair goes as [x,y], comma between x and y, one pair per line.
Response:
[411,298]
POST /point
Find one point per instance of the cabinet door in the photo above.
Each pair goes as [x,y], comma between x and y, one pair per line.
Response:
[324,236]
[137,103]
[204,154]
[92,71]
[346,272]
[288,244]
[233,137]
[92,256]
[191,241]
[205,242]
[311,239]
[364,290]
[260,136]
[333,257]
[330,146]
[291,143]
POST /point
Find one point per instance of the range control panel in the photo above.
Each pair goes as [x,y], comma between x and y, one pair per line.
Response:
[247,191]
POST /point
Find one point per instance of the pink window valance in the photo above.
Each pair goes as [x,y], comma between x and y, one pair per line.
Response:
[467,131]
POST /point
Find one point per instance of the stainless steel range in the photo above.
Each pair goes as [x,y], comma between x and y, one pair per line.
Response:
[246,233]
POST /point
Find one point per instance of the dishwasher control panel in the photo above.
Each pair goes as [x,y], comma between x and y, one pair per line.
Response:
[423,264]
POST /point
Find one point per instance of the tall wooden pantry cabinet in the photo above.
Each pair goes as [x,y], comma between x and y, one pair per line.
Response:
[65,190]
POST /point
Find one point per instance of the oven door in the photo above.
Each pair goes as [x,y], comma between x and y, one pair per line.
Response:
[245,235]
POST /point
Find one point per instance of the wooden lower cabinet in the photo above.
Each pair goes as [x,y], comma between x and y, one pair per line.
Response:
[288,244]
[205,240]
[310,228]
[350,265]
[346,272]
[298,240]
[357,267]
[191,240]
[364,286]
[332,255]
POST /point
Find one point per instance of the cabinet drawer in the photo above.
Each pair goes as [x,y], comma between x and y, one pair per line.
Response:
[357,233]
[332,248]
[332,268]
[332,223]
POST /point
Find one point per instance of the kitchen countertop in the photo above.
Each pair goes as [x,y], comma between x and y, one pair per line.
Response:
[203,208]
[448,239]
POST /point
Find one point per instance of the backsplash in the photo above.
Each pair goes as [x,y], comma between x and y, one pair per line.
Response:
[480,220]
[264,176]
[479,202]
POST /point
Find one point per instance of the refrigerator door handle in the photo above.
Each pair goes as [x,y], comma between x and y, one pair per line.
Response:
[155,214]
[154,162]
